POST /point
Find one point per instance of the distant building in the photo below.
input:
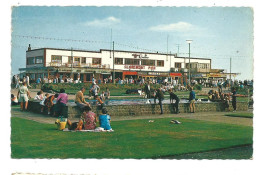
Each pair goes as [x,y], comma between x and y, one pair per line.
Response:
[82,64]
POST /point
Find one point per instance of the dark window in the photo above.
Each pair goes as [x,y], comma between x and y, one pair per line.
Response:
[76,59]
[30,60]
[83,60]
[39,60]
[177,65]
[118,60]
[96,61]
[70,60]
[160,63]
[148,62]
[132,61]
[56,59]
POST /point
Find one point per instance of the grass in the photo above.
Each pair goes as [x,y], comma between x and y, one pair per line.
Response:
[131,139]
[244,115]
[242,152]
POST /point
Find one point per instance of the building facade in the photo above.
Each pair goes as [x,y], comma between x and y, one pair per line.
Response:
[84,65]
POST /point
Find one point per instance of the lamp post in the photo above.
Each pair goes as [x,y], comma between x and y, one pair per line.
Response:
[113,62]
[189,41]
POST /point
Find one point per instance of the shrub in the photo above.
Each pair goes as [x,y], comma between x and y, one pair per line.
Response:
[198,87]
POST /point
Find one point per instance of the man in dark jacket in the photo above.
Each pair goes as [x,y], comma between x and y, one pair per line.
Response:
[147,90]
[175,105]
[234,99]
[160,96]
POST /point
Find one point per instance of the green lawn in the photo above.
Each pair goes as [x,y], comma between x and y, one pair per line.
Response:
[131,139]
[244,115]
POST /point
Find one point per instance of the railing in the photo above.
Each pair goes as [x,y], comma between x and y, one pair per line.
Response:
[179,70]
[193,70]
[90,65]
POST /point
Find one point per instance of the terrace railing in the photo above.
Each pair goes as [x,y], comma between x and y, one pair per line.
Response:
[78,65]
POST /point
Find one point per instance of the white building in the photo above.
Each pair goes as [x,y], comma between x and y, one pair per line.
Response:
[62,63]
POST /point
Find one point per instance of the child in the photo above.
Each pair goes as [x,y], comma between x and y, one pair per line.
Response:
[102,96]
[107,93]
[99,101]
[226,101]
[43,101]
[49,102]
[14,100]
[39,96]
[104,120]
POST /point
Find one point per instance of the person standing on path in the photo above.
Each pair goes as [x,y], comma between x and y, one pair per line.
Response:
[234,99]
[23,94]
[192,100]
[17,80]
[147,90]
[61,102]
[160,96]
[28,81]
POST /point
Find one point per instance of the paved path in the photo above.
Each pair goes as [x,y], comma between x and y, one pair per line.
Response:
[206,116]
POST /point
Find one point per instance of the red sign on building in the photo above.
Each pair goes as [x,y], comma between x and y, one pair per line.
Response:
[175,74]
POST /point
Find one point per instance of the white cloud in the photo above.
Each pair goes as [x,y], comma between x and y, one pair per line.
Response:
[178,27]
[103,22]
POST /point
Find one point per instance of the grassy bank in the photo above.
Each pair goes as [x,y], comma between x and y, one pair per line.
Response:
[131,139]
[243,115]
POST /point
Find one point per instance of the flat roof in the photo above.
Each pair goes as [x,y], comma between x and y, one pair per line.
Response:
[115,51]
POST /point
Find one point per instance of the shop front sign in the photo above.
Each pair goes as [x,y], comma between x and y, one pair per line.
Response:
[134,67]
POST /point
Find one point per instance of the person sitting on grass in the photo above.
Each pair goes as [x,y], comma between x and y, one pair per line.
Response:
[49,102]
[14,100]
[87,121]
[104,120]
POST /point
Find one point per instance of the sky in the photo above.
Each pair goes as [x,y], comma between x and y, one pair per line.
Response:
[219,33]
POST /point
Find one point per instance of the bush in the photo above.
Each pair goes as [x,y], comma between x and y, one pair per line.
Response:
[198,87]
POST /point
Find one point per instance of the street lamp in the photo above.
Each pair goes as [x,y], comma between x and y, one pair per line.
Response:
[189,41]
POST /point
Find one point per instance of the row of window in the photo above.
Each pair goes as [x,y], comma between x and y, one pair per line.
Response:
[34,60]
[97,61]
[194,65]
[130,61]
[76,60]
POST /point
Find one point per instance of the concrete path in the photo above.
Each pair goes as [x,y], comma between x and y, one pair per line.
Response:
[205,116]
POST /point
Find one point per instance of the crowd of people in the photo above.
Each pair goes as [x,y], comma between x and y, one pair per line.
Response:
[89,119]
[225,98]
[55,105]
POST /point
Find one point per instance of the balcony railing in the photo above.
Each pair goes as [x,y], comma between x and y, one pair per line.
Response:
[193,70]
[89,65]
[179,70]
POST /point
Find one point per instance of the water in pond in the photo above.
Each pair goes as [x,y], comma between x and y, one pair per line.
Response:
[136,101]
